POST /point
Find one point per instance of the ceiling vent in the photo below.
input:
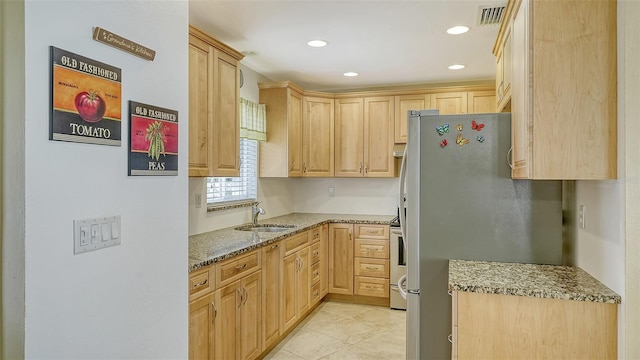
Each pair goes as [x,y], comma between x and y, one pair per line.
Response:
[490,15]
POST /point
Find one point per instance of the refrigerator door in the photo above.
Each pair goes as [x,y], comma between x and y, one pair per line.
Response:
[463,204]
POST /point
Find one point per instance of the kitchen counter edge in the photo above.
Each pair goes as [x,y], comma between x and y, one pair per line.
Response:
[530,280]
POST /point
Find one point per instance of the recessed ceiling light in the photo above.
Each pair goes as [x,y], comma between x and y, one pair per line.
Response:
[457,30]
[317,43]
[457,67]
[351,74]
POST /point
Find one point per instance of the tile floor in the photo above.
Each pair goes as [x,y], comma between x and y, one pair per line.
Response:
[344,331]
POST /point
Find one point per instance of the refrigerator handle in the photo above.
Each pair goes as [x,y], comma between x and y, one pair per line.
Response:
[402,287]
[402,213]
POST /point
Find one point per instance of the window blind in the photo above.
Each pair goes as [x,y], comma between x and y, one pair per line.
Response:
[244,187]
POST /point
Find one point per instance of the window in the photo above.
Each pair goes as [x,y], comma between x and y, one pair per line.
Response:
[245,187]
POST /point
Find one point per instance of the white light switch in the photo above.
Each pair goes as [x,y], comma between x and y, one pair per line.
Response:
[96,233]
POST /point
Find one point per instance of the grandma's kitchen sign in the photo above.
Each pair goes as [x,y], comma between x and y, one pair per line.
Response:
[86,104]
[153,140]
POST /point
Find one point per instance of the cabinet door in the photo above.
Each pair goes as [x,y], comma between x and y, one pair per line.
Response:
[324,260]
[226,160]
[250,317]
[303,283]
[227,334]
[404,103]
[481,102]
[288,297]
[341,259]
[271,262]
[378,137]
[318,137]
[202,316]
[294,133]
[450,103]
[200,107]
[349,128]
[520,94]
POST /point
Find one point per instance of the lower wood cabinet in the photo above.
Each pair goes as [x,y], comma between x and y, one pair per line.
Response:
[202,316]
[491,326]
[295,288]
[324,260]
[341,259]
[238,324]
[271,266]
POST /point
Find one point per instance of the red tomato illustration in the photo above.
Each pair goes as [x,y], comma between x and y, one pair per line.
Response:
[90,105]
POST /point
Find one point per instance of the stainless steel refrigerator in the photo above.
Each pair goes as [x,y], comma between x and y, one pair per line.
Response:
[462,204]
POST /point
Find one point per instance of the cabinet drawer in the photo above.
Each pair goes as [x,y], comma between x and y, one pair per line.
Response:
[368,231]
[315,234]
[202,282]
[368,286]
[315,273]
[315,253]
[372,248]
[295,242]
[315,294]
[378,268]
[235,268]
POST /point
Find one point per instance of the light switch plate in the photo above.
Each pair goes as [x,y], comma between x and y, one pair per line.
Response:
[96,233]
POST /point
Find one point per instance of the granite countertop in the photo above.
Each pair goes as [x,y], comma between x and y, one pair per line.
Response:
[214,246]
[542,281]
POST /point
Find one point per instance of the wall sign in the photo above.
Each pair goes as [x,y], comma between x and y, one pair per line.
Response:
[126,45]
[153,140]
[85,100]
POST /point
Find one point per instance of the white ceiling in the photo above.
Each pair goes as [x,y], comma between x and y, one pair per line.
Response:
[389,42]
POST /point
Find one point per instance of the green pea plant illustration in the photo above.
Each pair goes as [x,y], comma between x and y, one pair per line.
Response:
[155,136]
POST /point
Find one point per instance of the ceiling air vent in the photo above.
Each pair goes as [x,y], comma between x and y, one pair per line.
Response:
[490,15]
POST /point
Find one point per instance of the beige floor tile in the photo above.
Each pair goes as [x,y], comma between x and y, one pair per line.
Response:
[356,354]
[312,345]
[282,355]
[349,331]
[345,309]
[391,344]
[382,317]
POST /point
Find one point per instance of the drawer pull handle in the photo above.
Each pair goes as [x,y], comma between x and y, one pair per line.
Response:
[315,274]
[200,284]
[240,267]
[370,287]
[450,338]
[316,254]
[372,231]
[371,268]
[275,246]
[371,249]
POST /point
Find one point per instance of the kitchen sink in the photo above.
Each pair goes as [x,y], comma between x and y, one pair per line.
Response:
[266,227]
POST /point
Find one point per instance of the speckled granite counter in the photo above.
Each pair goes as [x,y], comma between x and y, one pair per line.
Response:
[215,246]
[542,281]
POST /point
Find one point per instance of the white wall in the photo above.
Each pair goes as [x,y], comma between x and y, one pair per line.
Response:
[352,196]
[275,194]
[608,247]
[13,196]
[127,301]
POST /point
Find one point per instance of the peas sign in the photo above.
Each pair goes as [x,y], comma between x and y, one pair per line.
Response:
[85,100]
[153,141]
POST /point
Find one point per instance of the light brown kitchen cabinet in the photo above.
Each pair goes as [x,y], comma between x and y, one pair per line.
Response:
[317,137]
[371,260]
[502,51]
[450,103]
[295,288]
[238,332]
[281,154]
[404,103]
[341,259]
[481,102]
[324,261]
[271,268]
[564,91]
[364,137]
[214,115]
[494,326]
[202,317]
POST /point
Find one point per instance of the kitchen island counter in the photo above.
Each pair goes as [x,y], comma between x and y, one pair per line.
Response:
[530,280]
[215,246]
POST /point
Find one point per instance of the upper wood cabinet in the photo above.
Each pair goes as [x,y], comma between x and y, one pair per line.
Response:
[564,90]
[450,103]
[481,102]
[503,66]
[317,137]
[404,103]
[281,154]
[364,137]
[214,114]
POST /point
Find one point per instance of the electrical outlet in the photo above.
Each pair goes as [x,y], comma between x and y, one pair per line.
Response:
[332,191]
[198,200]
[581,216]
[96,233]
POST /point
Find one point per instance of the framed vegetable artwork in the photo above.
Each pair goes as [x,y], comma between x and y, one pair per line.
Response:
[86,104]
[153,140]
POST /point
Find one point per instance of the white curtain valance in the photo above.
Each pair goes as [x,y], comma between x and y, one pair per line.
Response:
[253,120]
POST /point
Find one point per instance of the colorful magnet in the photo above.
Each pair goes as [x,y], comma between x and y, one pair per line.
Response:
[459,127]
[460,141]
[443,143]
[480,138]
[476,126]
[442,129]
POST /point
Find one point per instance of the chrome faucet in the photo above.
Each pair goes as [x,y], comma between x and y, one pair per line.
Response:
[255,211]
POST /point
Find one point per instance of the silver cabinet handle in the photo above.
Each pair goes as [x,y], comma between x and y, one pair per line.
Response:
[239,293]
[360,171]
[246,295]
[240,267]
[200,284]
[275,246]
[304,166]
[215,312]
[366,167]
